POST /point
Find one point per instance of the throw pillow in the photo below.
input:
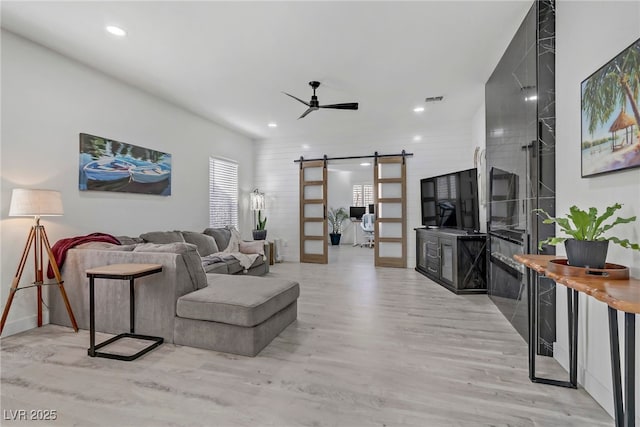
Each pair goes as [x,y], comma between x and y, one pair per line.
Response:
[206,244]
[222,236]
[255,247]
[163,237]
[189,254]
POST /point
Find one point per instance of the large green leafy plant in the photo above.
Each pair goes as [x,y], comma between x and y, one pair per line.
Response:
[586,225]
[336,217]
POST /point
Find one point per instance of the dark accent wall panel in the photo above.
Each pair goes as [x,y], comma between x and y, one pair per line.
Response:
[520,123]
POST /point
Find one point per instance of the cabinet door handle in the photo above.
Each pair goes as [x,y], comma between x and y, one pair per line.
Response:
[432,270]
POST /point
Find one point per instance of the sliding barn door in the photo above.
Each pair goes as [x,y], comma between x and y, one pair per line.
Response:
[390,197]
[313,211]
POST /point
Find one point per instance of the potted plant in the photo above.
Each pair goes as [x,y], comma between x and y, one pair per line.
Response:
[586,246]
[336,217]
[260,233]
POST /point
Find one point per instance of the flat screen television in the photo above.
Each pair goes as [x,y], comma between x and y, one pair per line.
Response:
[451,200]
[356,212]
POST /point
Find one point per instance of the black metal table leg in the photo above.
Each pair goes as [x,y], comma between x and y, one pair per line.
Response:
[629,369]
[572,318]
[132,307]
[614,343]
[573,337]
[92,320]
[532,307]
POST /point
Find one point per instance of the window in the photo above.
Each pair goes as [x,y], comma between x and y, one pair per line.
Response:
[223,192]
[362,195]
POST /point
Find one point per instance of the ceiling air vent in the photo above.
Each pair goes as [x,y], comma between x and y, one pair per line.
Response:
[434,99]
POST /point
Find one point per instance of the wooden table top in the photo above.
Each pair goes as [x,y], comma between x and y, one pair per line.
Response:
[123,269]
[623,294]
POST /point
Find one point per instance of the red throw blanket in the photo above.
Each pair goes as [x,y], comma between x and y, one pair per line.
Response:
[62,246]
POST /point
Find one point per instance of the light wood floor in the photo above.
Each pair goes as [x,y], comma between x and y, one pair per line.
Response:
[371,347]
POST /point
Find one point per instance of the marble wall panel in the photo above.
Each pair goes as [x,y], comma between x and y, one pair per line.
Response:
[520,106]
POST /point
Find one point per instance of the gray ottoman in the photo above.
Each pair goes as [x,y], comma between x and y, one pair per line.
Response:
[236,314]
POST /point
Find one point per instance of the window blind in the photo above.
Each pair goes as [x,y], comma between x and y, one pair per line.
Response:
[223,192]
[362,194]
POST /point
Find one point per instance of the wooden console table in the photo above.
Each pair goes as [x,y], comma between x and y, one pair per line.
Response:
[620,295]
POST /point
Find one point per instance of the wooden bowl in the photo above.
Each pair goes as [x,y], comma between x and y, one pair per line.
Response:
[611,271]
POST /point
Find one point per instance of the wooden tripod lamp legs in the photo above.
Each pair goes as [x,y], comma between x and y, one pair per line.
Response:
[38,236]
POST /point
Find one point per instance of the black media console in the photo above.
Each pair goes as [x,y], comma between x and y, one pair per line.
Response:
[453,258]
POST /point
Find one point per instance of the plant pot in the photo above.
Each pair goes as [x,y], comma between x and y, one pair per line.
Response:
[587,253]
[335,238]
[259,234]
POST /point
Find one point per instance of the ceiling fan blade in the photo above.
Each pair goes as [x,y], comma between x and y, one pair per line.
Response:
[345,106]
[296,98]
[307,112]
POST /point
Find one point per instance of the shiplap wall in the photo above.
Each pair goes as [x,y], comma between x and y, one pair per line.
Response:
[444,149]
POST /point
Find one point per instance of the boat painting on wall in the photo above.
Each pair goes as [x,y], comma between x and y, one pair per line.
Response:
[610,115]
[108,165]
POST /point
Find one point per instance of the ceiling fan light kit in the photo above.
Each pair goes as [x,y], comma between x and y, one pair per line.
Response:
[315,105]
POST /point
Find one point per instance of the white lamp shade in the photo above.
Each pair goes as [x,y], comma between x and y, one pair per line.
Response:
[29,202]
[257,201]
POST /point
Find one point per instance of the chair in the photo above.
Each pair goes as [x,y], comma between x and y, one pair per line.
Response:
[368,228]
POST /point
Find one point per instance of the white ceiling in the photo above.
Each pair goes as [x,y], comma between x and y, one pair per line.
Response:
[231,61]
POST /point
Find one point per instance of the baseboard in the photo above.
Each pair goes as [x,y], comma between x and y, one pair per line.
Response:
[600,392]
[24,324]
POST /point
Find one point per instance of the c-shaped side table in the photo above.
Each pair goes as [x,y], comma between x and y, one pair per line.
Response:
[128,272]
[620,295]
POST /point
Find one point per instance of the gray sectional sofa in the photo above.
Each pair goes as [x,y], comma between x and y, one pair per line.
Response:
[209,242]
[235,313]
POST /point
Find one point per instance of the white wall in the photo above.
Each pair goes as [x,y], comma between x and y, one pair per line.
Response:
[445,149]
[47,100]
[589,34]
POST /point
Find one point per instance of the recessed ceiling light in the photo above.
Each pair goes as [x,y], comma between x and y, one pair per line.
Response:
[116,31]
[418,109]
[365,164]
[417,138]
[273,125]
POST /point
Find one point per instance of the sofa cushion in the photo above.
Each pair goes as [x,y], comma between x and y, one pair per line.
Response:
[238,300]
[206,244]
[105,246]
[161,237]
[221,235]
[189,254]
[233,266]
[126,240]
[217,267]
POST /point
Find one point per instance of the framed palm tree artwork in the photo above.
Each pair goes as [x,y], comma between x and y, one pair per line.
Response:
[611,114]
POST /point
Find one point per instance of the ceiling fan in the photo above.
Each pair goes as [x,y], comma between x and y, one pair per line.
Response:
[314,104]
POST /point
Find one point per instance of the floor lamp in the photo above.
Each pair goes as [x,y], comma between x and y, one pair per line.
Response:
[36,203]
